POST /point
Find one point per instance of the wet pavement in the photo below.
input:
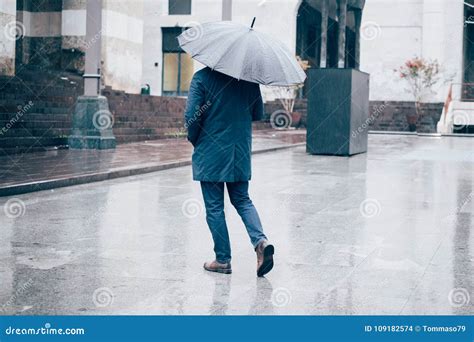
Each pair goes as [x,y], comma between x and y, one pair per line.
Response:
[387,232]
[27,172]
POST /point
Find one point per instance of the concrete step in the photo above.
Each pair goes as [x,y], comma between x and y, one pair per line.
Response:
[57,107]
[24,143]
[37,90]
[123,139]
[6,117]
[131,117]
[36,124]
[148,125]
[22,132]
[144,130]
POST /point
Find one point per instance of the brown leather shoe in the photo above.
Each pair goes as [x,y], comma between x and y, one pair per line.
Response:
[215,266]
[265,253]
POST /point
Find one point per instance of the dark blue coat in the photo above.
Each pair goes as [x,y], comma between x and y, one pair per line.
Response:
[219,116]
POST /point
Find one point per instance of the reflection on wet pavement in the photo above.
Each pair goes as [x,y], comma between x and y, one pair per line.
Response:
[388,232]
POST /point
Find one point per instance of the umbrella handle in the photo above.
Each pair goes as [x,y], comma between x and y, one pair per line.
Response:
[253,22]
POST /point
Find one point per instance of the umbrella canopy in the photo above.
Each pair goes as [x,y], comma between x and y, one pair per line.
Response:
[243,53]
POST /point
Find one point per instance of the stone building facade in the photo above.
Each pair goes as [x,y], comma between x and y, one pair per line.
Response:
[7,37]
[139,48]
[136,34]
[391,33]
[50,35]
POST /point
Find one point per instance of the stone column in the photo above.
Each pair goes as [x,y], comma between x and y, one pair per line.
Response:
[152,55]
[9,31]
[342,14]
[358,20]
[93,52]
[324,33]
[226,10]
[92,120]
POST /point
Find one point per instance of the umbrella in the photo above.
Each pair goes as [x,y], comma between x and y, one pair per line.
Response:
[243,53]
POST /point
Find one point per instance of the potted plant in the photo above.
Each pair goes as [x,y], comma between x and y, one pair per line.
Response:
[287,97]
[421,75]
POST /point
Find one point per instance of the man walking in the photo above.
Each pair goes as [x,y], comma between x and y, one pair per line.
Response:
[219,116]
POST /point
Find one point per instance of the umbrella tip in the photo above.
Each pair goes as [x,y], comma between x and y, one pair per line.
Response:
[253,22]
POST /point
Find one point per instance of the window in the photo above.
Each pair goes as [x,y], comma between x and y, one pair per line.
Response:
[179,7]
[178,67]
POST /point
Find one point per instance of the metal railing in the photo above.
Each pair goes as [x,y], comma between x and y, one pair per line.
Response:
[462,92]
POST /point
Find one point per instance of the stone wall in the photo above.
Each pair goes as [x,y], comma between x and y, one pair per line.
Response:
[300,107]
[393,116]
[138,117]
[36,110]
[383,115]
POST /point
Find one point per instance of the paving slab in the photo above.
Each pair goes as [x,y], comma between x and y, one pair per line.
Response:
[387,232]
[38,171]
